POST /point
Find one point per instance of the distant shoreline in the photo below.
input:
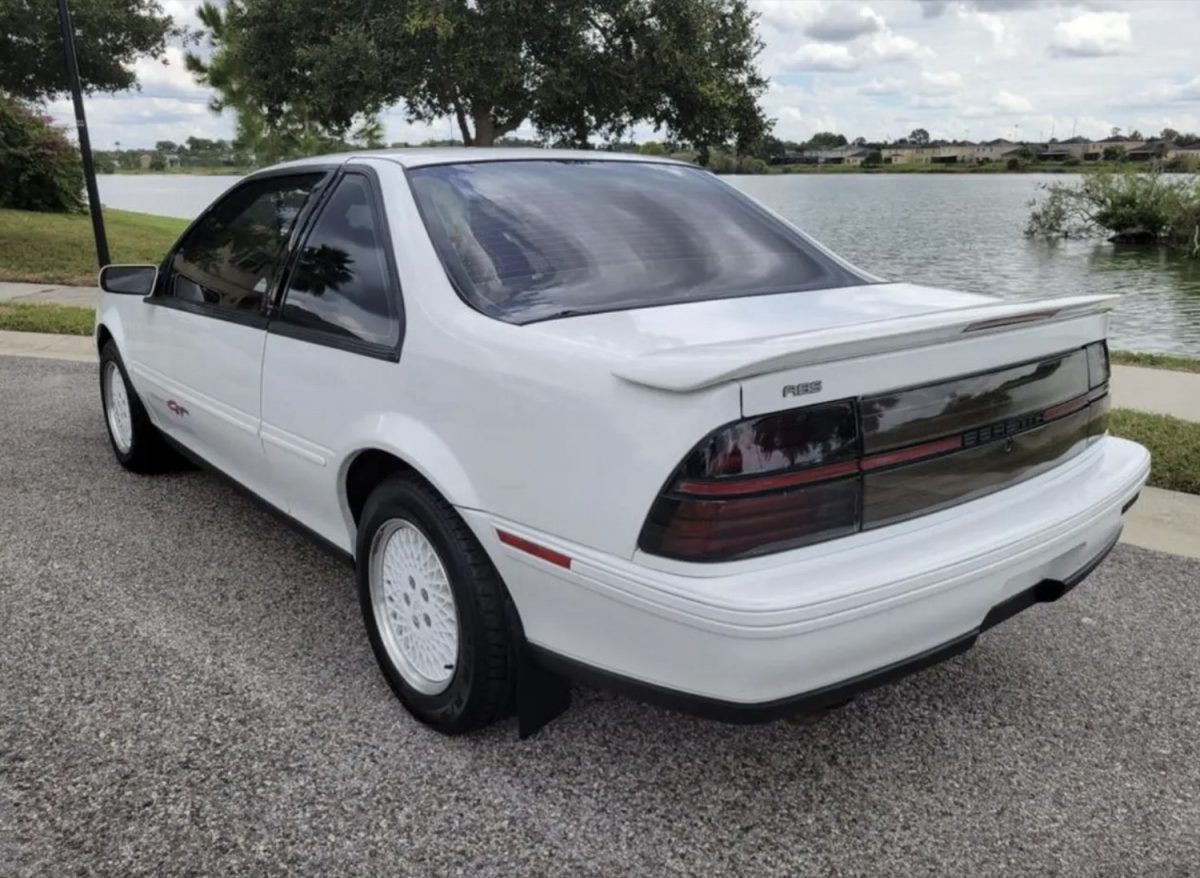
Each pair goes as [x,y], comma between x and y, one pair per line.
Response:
[914,168]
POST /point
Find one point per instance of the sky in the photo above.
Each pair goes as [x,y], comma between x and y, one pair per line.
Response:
[971,69]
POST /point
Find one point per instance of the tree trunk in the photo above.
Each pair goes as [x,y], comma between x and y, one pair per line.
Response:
[485,128]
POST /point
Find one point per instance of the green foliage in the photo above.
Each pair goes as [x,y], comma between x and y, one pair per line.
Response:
[1072,161]
[919,136]
[158,163]
[1014,164]
[652,148]
[111,35]
[286,130]
[873,158]
[575,69]
[103,164]
[1128,205]
[39,168]
[1113,153]
[826,140]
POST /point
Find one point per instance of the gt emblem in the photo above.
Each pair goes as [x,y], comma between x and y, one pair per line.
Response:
[176,407]
[801,389]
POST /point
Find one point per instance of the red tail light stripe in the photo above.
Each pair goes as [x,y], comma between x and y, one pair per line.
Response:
[768,483]
[914,452]
[1066,408]
[524,545]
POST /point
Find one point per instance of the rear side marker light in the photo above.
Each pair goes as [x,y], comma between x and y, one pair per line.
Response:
[532,548]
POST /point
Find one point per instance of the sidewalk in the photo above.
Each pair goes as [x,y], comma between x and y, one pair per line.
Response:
[48,294]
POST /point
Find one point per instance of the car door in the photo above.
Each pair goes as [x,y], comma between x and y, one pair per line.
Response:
[332,347]
[197,360]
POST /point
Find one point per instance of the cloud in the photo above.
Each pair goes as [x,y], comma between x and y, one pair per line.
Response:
[1008,102]
[822,57]
[877,87]
[889,46]
[1092,35]
[839,24]
[939,83]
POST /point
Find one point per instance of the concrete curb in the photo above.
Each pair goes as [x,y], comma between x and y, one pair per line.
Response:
[79,348]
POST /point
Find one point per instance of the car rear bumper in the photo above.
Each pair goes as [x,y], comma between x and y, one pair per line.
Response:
[762,638]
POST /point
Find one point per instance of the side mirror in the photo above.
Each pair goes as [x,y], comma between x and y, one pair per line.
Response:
[128,280]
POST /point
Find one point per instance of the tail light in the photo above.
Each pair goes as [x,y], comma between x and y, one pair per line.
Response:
[793,478]
[762,485]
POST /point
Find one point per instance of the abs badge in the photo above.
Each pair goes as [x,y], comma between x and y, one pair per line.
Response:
[802,389]
[176,408]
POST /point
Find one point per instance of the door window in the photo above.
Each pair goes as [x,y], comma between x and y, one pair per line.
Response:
[340,285]
[228,259]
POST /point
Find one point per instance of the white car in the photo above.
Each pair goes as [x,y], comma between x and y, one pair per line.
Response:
[585,416]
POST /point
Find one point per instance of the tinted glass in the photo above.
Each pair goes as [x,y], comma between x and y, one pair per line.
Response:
[229,258]
[533,239]
[340,282]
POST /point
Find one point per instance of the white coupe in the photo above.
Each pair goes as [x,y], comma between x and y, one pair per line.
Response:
[593,417]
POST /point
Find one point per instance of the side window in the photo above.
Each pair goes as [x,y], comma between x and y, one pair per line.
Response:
[340,281]
[230,256]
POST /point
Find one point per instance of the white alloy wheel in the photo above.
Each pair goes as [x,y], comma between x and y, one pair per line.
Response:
[414,606]
[116,408]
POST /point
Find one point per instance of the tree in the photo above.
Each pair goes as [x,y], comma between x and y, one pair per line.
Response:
[291,129]
[873,158]
[166,146]
[859,141]
[1113,153]
[826,140]
[1115,131]
[1170,135]
[575,69]
[919,136]
[110,36]
[1135,135]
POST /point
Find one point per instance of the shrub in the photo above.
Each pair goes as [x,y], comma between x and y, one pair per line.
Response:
[158,163]
[1072,161]
[1013,164]
[721,162]
[748,164]
[1128,205]
[39,168]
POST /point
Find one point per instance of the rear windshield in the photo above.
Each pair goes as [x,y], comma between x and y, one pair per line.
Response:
[530,240]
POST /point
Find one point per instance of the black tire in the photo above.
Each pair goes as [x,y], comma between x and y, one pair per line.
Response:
[147,452]
[484,680]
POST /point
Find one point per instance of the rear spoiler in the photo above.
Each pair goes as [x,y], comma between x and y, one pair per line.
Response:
[698,366]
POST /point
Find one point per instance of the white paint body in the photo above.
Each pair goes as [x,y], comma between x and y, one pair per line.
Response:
[564,431]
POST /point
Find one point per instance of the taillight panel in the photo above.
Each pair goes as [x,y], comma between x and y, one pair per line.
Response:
[793,478]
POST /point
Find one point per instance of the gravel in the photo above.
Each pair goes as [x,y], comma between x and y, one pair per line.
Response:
[185,688]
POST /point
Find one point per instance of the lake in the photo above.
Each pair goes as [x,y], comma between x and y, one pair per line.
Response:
[952,230]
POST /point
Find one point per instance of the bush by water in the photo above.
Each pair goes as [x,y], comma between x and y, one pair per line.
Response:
[1127,205]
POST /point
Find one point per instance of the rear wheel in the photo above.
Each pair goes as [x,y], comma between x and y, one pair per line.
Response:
[136,442]
[434,608]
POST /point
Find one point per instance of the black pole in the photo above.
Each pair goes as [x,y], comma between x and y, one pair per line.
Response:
[85,145]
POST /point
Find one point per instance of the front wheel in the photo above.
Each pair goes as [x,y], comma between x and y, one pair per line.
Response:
[434,607]
[136,442]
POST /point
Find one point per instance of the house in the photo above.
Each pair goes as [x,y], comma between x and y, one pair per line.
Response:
[1151,150]
[1076,147]
[144,161]
[172,160]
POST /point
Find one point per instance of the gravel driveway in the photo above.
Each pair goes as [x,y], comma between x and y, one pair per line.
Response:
[185,687]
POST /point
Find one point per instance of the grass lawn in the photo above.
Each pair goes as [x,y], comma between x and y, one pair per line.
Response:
[1174,447]
[63,319]
[59,248]
[1156,361]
